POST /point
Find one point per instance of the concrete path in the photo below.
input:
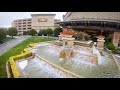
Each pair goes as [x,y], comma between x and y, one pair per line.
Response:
[7,45]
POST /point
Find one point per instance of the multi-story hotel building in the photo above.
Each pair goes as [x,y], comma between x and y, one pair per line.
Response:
[94,23]
[22,25]
[37,22]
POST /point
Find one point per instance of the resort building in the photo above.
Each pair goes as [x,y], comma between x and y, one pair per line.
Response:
[42,21]
[22,25]
[55,23]
[94,23]
[37,22]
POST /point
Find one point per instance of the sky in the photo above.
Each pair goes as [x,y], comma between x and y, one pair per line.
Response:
[6,18]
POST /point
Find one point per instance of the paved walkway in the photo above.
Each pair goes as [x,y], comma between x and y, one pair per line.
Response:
[6,46]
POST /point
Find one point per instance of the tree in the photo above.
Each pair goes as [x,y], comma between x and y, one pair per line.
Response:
[42,32]
[57,31]
[49,31]
[2,35]
[32,32]
[12,31]
[25,32]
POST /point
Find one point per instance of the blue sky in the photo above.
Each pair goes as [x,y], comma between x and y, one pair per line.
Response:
[6,18]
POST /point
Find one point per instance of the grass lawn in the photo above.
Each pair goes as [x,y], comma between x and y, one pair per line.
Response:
[17,50]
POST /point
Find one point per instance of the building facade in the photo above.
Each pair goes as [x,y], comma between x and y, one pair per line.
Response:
[94,23]
[42,21]
[22,25]
[55,23]
[37,22]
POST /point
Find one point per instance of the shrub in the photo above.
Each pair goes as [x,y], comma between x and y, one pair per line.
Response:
[116,51]
[15,72]
[83,36]
[86,36]
[57,31]
[110,46]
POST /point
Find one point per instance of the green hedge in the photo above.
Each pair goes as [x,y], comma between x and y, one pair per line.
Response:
[15,72]
[110,45]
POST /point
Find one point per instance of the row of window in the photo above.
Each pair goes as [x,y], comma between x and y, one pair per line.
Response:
[95,23]
[23,23]
[24,28]
[41,28]
[22,20]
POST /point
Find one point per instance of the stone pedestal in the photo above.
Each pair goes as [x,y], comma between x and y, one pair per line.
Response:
[69,41]
[100,43]
[116,38]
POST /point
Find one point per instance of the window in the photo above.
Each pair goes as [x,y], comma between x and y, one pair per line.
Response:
[29,25]
[42,20]
[24,25]
[29,20]
[28,28]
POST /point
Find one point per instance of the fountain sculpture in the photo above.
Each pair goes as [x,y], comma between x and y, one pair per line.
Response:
[100,43]
[68,42]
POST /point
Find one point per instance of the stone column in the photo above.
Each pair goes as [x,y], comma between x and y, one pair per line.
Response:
[100,43]
[116,38]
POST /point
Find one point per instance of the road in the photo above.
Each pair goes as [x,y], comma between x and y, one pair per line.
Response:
[6,46]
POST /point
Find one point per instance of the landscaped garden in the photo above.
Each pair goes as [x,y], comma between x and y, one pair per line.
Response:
[17,50]
[61,59]
[73,55]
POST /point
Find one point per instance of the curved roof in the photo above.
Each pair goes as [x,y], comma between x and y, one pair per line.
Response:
[113,25]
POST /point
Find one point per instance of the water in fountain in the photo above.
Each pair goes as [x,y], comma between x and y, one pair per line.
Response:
[36,68]
[80,63]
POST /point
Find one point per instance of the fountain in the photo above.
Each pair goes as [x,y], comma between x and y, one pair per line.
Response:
[80,60]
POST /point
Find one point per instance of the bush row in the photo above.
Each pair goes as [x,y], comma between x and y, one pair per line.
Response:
[26,53]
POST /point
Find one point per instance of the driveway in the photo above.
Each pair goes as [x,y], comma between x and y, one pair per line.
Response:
[6,46]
